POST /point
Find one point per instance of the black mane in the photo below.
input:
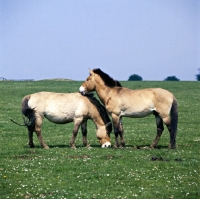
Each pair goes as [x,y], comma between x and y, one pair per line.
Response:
[109,81]
[101,109]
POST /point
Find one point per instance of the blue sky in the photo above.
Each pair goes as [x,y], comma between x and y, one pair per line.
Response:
[41,39]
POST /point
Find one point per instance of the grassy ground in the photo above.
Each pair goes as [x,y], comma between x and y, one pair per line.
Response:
[62,172]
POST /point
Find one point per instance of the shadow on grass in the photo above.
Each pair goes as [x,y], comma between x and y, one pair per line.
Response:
[62,146]
[59,146]
[77,146]
[146,146]
[135,147]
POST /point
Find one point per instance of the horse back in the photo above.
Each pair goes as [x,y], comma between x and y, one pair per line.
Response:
[139,103]
[163,96]
[149,94]
[59,107]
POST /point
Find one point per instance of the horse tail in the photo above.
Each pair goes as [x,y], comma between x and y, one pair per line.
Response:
[102,111]
[28,112]
[174,123]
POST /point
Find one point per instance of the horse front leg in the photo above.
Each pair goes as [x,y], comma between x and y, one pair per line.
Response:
[160,128]
[116,130]
[84,134]
[121,133]
[77,124]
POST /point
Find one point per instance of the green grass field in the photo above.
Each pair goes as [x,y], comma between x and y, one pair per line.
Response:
[95,173]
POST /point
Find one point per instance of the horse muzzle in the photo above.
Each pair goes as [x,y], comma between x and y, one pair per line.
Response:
[82,90]
[106,145]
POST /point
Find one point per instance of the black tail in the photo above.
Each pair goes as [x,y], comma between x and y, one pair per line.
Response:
[174,123]
[28,112]
[17,123]
[102,111]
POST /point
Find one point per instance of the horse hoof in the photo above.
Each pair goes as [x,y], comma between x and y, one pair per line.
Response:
[122,145]
[171,147]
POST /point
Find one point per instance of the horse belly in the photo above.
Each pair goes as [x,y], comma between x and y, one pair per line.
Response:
[137,113]
[59,118]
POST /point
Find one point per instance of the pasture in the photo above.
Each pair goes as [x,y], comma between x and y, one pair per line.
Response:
[135,171]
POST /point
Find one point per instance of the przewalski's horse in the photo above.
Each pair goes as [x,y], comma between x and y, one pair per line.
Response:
[123,102]
[61,108]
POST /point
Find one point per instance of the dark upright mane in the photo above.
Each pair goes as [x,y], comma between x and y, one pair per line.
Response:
[101,109]
[109,81]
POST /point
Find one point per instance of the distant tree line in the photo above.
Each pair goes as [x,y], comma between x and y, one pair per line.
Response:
[198,76]
[171,78]
[136,77]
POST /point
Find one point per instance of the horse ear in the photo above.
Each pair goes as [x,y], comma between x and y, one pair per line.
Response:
[91,72]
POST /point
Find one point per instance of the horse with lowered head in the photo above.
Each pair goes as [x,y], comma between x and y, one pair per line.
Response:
[62,108]
[123,102]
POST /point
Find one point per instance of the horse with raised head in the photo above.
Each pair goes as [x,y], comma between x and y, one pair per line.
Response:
[62,108]
[123,102]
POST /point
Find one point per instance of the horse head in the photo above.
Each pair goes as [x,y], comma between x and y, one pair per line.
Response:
[105,143]
[97,77]
[104,138]
[88,85]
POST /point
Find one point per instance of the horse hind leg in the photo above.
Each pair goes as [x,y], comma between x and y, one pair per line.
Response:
[160,128]
[172,144]
[30,136]
[173,124]
[170,119]
[38,124]
[31,127]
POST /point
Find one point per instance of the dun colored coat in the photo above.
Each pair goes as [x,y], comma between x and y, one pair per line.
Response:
[62,108]
[123,102]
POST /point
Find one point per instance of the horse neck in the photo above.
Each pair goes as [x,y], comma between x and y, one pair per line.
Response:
[96,118]
[103,93]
